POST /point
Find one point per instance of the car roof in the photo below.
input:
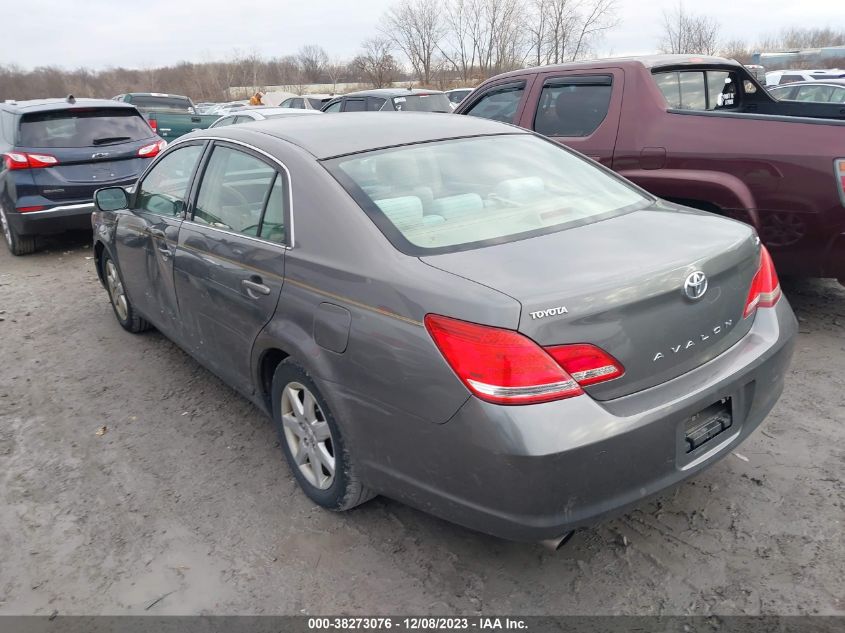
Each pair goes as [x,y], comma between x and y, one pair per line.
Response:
[649,61]
[43,105]
[155,94]
[337,134]
[392,92]
[815,82]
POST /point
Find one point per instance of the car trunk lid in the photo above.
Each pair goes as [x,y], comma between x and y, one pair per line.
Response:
[619,284]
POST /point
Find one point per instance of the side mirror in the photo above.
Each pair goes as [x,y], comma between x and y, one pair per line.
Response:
[111,199]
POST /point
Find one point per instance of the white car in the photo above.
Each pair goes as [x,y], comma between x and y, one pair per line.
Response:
[780,77]
[259,113]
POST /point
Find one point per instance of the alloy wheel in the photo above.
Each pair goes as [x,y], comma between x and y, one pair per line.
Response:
[308,435]
[118,296]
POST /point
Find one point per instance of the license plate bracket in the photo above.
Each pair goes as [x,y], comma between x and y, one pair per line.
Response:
[708,423]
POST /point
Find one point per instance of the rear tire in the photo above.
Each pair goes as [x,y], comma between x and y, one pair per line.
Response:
[18,244]
[312,442]
[125,313]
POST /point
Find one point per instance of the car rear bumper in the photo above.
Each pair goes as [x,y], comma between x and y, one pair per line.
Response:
[536,472]
[65,217]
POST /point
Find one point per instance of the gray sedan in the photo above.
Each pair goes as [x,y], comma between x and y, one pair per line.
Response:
[452,312]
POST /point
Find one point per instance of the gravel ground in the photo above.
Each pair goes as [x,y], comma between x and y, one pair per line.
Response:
[185,498]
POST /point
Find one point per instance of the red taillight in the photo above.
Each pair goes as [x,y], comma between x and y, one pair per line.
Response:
[506,367]
[765,287]
[31,209]
[153,124]
[148,151]
[500,366]
[587,364]
[839,171]
[20,160]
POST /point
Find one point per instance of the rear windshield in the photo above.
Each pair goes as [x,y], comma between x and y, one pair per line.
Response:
[82,128]
[423,103]
[151,102]
[453,195]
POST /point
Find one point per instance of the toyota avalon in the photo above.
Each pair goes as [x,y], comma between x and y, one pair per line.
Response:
[452,312]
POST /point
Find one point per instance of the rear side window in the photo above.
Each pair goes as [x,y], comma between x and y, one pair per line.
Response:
[316,104]
[499,104]
[698,89]
[152,102]
[453,195]
[163,190]
[335,107]
[788,79]
[818,94]
[233,191]
[82,128]
[224,121]
[573,106]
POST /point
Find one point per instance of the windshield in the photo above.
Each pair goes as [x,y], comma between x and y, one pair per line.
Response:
[452,195]
[422,103]
[150,102]
[82,128]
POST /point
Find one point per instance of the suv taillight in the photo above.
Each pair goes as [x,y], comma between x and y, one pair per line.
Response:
[839,172]
[506,367]
[153,124]
[148,151]
[20,160]
[765,287]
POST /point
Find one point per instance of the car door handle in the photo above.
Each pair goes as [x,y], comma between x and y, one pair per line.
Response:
[166,253]
[255,288]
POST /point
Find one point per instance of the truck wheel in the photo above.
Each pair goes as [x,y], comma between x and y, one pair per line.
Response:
[18,244]
[126,315]
[312,441]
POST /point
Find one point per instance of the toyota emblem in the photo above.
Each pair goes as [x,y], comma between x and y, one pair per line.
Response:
[696,285]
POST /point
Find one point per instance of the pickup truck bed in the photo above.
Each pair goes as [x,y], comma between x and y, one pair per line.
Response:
[170,116]
[698,131]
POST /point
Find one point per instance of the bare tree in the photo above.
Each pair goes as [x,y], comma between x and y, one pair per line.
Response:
[685,33]
[416,28]
[376,62]
[312,62]
[335,68]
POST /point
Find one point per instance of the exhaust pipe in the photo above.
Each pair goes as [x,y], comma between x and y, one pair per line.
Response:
[554,544]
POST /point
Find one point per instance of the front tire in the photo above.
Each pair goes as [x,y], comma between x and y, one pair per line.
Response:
[18,244]
[312,441]
[125,313]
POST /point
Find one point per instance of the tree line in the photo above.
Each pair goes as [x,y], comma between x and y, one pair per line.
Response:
[438,44]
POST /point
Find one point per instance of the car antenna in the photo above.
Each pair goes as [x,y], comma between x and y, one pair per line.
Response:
[70,99]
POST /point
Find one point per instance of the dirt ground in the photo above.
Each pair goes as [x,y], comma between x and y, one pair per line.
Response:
[184,504]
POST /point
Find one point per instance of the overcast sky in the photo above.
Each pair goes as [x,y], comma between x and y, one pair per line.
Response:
[102,33]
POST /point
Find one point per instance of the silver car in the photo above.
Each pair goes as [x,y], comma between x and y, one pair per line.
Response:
[452,312]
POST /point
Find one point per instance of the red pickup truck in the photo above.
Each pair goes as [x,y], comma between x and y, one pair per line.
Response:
[699,131]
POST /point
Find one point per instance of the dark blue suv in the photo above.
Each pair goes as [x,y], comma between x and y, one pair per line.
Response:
[56,153]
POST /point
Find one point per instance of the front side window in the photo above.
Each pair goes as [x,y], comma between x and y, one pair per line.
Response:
[163,190]
[698,89]
[452,195]
[815,94]
[499,104]
[234,188]
[422,103]
[573,106]
[355,105]
[375,103]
